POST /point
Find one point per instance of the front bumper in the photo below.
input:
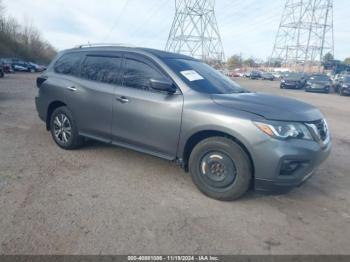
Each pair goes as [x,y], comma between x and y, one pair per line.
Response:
[273,154]
[318,89]
[346,91]
[291,85]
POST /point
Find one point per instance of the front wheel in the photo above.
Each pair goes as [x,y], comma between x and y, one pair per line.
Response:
[64,130]
[220,169]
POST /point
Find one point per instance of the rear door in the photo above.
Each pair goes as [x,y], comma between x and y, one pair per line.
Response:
[145,119]
[92,98]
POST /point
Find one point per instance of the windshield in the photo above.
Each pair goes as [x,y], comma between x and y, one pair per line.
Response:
[203,78]
[347,79]
[319,78]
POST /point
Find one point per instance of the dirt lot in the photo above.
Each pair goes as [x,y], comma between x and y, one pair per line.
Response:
[108,200]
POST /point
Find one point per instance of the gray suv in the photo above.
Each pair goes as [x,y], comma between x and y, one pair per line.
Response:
[180,109]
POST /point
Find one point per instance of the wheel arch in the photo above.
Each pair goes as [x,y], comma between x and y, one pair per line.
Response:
[51,108]
[197,137]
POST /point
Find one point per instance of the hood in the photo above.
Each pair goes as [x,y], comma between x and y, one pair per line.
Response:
[292,79]
[323,82]
[270,107]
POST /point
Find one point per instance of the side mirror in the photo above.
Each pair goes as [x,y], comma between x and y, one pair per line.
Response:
[163,85]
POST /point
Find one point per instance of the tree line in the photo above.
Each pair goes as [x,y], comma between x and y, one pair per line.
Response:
[23,41]
[236,61]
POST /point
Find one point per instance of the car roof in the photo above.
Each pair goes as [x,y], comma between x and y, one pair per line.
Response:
[158,53]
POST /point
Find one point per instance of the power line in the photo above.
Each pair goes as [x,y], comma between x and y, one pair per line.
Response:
[152,14]
[117,20]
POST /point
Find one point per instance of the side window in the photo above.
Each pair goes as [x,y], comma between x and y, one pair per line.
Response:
[102,69]
[68,64]
[137,74]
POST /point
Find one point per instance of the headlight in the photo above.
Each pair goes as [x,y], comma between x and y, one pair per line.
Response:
[285,130]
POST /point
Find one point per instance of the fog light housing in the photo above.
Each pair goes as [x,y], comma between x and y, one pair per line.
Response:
[289,167]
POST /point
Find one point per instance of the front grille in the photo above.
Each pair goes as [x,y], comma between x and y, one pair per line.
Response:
[320,129]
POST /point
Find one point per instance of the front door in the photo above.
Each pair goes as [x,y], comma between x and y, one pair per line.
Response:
[144,119]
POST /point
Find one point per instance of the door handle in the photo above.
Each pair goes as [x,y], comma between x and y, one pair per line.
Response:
[71,88]
[123,100]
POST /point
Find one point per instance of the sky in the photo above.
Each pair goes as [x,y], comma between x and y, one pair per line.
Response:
[247,27]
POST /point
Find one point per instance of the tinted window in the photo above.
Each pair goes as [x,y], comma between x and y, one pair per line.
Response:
[68,64]
[203,78]
[101,69]
[137,74]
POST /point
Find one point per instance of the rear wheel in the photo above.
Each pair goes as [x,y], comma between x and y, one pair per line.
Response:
[220,169]
[64,129]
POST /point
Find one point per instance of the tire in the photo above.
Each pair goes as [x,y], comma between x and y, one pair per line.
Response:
[229,180]
[64,138]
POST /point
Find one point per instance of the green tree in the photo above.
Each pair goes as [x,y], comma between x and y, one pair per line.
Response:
[250,62]
[347,61]
[234,62]
[328,57]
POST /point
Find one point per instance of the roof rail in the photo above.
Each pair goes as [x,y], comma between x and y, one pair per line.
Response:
[104,45]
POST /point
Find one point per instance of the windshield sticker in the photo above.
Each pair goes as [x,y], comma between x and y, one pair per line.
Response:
[191,75]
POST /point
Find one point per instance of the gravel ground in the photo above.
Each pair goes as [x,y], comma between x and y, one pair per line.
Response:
[108,200]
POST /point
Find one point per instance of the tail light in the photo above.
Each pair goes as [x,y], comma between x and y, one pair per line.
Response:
[40,80]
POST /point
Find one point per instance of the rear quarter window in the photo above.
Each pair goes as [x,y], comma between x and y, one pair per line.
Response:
[69,64]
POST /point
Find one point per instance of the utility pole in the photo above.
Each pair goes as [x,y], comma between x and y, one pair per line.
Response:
[305,34]
[195,31]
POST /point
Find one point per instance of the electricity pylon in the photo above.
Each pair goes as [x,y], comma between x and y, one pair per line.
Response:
[305,34]
[195,31]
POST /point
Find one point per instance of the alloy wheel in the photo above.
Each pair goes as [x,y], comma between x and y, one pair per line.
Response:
[62,128]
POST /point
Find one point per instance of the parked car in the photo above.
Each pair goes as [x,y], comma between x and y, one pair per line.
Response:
[344,88]
[6,66]
[277,75]
[37,68]
[2,72]
[293,81]
[267,76]
[255,75]
[18,68]
[19,65]
[176,107]
[337,82]
[246,74]
[319,83]
[237,74]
